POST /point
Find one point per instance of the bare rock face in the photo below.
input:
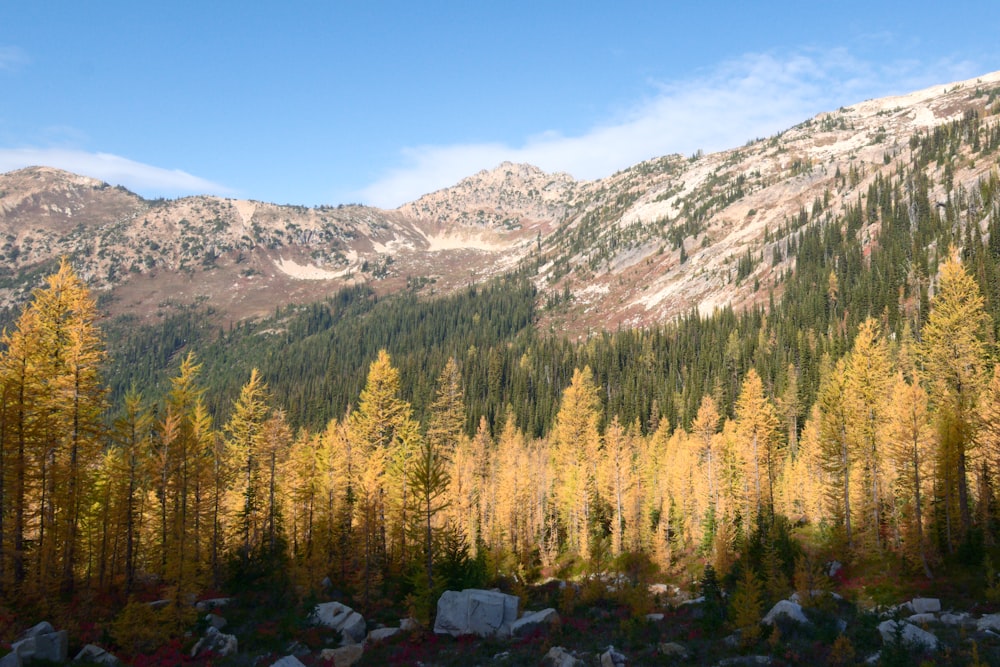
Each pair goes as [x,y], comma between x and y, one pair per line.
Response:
[476,612]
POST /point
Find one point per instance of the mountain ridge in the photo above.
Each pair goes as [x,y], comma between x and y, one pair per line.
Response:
[640,246]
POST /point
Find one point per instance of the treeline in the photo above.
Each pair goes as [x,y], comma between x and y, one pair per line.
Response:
[897,455]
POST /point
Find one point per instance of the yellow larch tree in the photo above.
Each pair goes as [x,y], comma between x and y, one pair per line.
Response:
[757,425]
[575,443]
[868,378]
[910,436]
[617,481]
[953,352]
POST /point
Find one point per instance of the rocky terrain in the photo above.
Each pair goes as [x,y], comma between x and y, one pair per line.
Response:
[640,246]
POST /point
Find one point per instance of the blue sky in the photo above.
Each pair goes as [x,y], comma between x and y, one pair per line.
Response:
[379,102]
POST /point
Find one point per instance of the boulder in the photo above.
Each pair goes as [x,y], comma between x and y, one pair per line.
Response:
[536,620]
[43,628]
[39,644]
[288,661]
[560,657]
[344,656]
[788,609]
[475,612]
[654,618]
[612,658]
[408,624]
[949,618]
[925,605]
[205,606]
[922,618]
[988,622]
[381,634]
[96,655]
[910,634]
[215,621]
[342,618]
[11,660]
[216,642]
[672,650]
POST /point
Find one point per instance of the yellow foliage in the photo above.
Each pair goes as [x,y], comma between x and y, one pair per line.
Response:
[842,651]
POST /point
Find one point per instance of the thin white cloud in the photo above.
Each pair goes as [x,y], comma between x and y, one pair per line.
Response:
[750,97]
[12,58]
[144,179]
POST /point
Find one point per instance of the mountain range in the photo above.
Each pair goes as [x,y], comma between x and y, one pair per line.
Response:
[638,247]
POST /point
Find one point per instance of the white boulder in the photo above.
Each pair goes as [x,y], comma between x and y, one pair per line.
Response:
[925,605]
[96,655]
[475,612]
[988,622]
[560,657]
[344,656]
[786,608]
[909,633]
[342,618]
[381,634]
[216,642]
[530,622]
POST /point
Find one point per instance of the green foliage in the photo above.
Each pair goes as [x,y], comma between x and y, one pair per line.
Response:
[713,608]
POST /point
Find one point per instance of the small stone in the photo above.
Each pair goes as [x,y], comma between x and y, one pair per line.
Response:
[408,624]
[654,618]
